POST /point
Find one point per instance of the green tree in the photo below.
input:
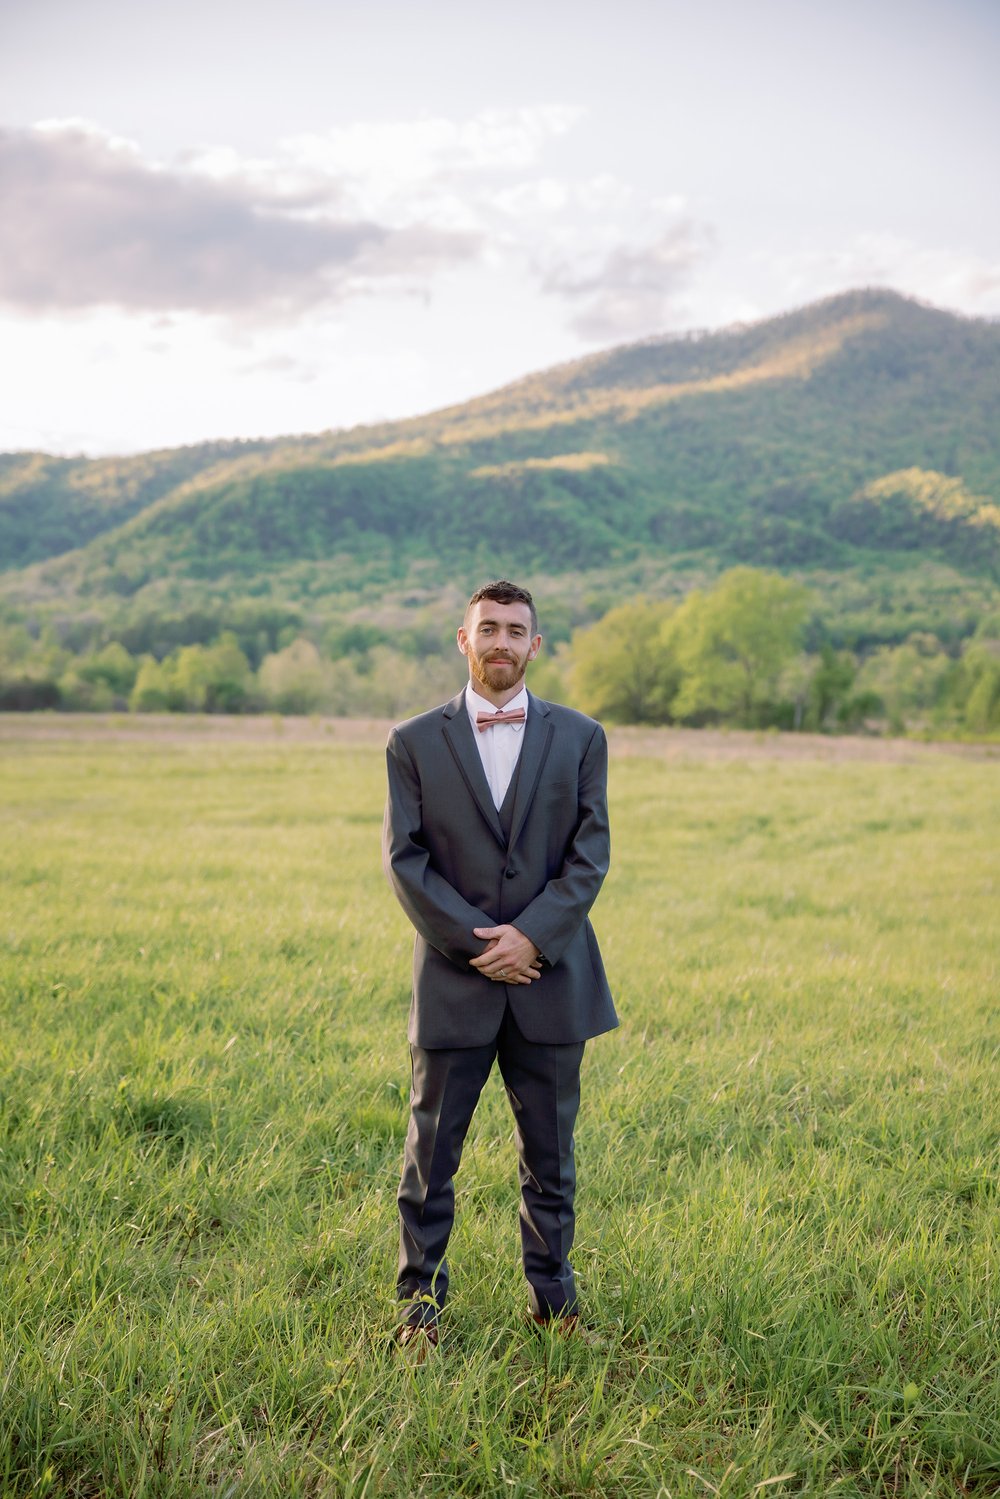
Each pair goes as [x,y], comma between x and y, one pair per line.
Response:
[795,688]
[623,667]
[30,670]
[982,707]
[228,678]
[976,689]
[100,681]
[79,690]
[16,648]
[733,643]
[830,689]
[910,679]
[115,666]
[295,680]
[189,674]
[153,691]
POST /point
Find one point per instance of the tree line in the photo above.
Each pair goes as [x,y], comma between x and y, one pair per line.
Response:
[750,651]
[735,655]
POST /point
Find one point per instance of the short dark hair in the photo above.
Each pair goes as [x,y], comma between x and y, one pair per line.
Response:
[504,592]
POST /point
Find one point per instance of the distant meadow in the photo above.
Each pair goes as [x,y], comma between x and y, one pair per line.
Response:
[788,1238]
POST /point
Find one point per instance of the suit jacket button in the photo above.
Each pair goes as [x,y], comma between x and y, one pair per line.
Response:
[509,874]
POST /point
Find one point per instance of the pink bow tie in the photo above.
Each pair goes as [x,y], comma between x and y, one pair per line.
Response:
[487,720]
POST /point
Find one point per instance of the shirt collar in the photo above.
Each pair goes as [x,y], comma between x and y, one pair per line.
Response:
[476,704]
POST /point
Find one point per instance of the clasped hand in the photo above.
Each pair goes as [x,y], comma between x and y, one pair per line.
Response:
[509,957]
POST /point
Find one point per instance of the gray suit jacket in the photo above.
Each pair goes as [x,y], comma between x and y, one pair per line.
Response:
[452,869]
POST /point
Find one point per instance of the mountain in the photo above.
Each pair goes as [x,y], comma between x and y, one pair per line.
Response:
[52,505]
[860,432]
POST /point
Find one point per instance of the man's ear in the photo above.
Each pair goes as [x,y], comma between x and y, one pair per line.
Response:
[463,640]
[533,648]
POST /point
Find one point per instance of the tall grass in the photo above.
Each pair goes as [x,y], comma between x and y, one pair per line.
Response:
[788,1154]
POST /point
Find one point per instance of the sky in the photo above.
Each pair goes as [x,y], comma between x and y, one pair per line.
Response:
[285,216]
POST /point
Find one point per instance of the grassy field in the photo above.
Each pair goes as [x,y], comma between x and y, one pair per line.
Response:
[788,1154]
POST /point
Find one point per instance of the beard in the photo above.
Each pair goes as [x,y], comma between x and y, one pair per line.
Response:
[497,676]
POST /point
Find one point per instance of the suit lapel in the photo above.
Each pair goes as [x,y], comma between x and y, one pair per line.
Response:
[537,738]
[458,733]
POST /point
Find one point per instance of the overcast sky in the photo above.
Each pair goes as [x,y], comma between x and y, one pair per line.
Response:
[222,220]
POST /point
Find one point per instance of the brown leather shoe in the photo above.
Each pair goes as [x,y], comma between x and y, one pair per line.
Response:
[569,1326]
[555,1321]
[417,1340]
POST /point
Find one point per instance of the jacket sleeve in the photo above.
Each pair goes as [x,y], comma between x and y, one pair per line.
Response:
[556,914]
[435,908]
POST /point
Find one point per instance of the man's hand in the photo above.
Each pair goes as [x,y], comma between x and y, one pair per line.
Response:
[510,956]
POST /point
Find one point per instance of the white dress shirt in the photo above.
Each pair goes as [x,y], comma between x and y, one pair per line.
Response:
[498,747]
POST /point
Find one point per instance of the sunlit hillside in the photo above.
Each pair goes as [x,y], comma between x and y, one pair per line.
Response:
[858,435]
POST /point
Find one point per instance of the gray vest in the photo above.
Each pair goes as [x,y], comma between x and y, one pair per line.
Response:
[505,811]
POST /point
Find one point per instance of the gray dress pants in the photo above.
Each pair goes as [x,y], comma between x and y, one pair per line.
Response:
[543,1087]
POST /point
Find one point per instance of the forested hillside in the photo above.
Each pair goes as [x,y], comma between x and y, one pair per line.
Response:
[51,505]
[854,444]
[752,445]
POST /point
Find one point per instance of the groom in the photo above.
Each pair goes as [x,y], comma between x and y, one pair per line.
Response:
[496,844]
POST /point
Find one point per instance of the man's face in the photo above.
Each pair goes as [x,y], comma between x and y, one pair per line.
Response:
[498,642]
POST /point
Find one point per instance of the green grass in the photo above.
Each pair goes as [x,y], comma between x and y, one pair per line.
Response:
[788,1154]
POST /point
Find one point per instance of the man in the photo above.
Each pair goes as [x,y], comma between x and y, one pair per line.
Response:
[496,844]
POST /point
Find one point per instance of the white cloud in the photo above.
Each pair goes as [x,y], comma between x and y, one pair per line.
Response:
[285,366]
[89,223]
[632,290]
[604,202]
[538,196]
[327,217]
[396,154]
[434,258]
[946,277]
[392,171]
